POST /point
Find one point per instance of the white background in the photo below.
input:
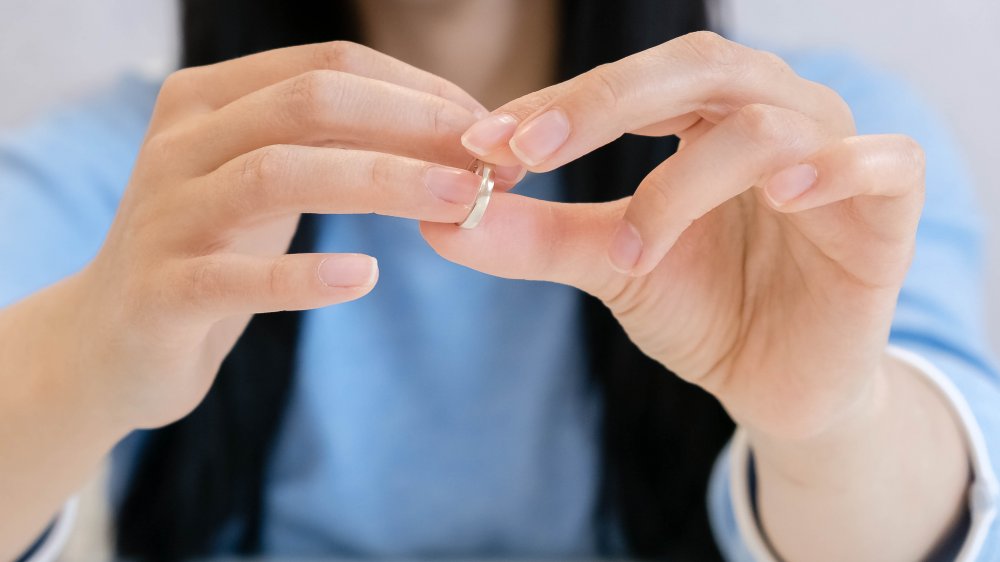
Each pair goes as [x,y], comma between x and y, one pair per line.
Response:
[51,50]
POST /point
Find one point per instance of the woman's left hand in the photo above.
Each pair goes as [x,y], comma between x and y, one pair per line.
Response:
[761,262]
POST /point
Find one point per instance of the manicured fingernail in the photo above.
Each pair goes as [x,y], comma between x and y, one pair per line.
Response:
[509,174]
[790,183]
[626,247]
[540,137]
[486,135]
[348,270]
[451,185]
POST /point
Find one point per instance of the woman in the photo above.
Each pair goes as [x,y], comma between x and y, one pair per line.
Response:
[452,413]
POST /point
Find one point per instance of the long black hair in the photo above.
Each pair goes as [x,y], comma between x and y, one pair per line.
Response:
[660,435]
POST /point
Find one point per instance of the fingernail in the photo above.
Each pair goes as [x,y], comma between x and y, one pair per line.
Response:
[540,137]
[348,270]
[790,183]
[509,174]
[451,185]
[487,134]
[626,247]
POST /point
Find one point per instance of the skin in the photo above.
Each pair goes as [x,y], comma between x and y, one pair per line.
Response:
[786,306]
[235,152]
[786,301]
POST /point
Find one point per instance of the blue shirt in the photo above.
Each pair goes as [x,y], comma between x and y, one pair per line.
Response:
[394,444]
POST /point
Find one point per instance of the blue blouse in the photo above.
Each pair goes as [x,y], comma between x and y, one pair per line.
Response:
[449,413]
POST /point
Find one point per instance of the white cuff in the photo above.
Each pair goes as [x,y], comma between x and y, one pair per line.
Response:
[55,540]
[983,490]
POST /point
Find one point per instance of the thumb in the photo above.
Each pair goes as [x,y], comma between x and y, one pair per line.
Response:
[525,238]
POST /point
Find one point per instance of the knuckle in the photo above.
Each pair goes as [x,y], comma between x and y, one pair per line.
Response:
[179,83]
[444,89]
[712,49]
[261,169]
[763,124]
[445,120]
[380,171]
[914,160]
[281,281]
[602,82]
[854,164]
[773,62]
[164,145]
[913,152]
[661,197]
[181,90]
[205,280]
[891,165]
[306,94]
[337,55]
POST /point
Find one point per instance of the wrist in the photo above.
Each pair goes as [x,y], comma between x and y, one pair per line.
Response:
[850,436]
[865,471]
[55,423]
[898,420]
[64,360]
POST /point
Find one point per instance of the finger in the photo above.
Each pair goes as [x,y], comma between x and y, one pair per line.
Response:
[663,89]
[735,155]
[874,167]
[222,285]
[527,238]
[501,126]
[322,108]
[218,84]
[281,180]
[870,184]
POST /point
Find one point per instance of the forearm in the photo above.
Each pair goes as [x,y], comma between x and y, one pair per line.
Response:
[53,431]
[887,484]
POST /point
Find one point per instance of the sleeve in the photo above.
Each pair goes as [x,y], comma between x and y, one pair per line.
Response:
[938,327]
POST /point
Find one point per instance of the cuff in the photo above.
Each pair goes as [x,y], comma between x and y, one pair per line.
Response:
[983,490]
[50,545]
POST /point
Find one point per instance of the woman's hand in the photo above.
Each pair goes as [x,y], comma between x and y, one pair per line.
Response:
[761,262]
[761,297]
[235,152]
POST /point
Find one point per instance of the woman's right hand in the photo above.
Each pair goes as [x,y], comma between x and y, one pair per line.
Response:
[235,152]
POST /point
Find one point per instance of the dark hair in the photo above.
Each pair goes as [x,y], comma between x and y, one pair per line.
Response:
[660,435]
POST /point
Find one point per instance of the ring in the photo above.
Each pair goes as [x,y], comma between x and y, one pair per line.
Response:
[485,170]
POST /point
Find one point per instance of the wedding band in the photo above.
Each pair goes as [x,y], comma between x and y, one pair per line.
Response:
[482,196]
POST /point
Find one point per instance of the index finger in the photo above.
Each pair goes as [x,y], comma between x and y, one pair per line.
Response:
[236,78]
[666,88]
